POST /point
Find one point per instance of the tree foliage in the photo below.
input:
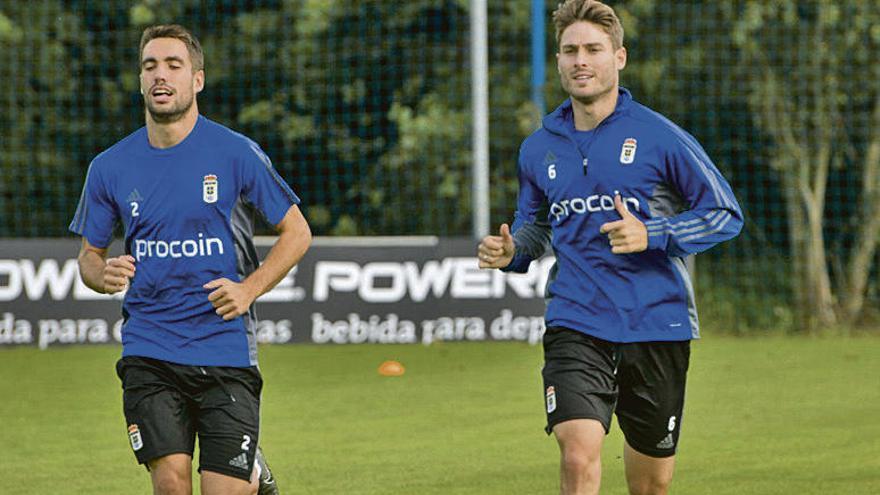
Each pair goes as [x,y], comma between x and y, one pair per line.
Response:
[364,106]
[816,96]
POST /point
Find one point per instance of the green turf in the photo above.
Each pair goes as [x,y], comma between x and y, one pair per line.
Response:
[763,416]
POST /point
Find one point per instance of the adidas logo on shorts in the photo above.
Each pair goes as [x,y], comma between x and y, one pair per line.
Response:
[241,461]
[666,443]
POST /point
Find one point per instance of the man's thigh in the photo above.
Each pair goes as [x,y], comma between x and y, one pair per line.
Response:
[578,375]
[651,378]
[229,421]
[156,412]
[220,484]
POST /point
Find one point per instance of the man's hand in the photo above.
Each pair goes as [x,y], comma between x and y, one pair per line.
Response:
[117,273]
[230,299]
[496,251]
[627,235]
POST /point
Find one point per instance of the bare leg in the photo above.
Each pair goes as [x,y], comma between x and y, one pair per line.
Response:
[172,475]
[221,484]
[646,475]
[580,448]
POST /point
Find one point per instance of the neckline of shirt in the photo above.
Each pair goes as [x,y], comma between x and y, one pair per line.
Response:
[181,145]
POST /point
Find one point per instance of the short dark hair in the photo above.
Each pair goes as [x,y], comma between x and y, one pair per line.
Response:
[593,11]
[179,32]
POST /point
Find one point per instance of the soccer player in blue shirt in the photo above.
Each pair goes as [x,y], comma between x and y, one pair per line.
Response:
[185,190]
[622,195]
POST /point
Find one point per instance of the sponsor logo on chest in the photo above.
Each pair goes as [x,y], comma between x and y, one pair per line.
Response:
[210,188]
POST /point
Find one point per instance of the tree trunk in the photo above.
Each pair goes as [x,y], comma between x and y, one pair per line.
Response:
[811,284]
[868,235]
[797,242]
[821,300]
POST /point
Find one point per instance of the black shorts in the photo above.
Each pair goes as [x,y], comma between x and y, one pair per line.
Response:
[166,405]
[642,382]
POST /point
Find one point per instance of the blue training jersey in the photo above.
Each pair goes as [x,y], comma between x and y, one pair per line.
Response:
[568,180]
[188,215]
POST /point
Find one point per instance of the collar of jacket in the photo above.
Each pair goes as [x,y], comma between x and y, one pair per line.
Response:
[561,120]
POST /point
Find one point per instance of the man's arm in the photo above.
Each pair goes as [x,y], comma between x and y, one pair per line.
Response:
[533,239]
[103,275]
[712,214]
[232,299]
[528,239]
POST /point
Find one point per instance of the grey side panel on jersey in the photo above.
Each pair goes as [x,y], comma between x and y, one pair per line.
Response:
[242,226]
[666,202]
[680,265]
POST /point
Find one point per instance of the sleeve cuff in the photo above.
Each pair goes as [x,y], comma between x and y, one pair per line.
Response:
[519,263]
[658,233]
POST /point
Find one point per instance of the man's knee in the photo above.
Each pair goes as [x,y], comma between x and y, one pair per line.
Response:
[580,443]
[169,482]
[172,475]
[576,459]
[650,485]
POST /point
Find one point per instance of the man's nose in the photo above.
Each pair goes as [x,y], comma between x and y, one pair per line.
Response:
[160,75]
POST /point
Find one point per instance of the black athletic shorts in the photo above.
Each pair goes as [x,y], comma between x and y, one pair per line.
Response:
[166,405]
[642,382]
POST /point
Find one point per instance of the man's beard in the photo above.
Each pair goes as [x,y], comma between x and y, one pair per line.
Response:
[568,86]
[169,116]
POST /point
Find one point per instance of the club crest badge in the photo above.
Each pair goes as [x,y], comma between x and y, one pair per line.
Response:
[134,434]
[551,399]
[628,151]
[209,189]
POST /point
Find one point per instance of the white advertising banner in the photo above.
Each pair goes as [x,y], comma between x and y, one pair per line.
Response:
[377,290]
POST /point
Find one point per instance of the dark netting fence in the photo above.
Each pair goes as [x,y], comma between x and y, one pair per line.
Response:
[364,107]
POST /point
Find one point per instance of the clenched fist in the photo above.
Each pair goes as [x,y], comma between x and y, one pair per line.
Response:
[117,273]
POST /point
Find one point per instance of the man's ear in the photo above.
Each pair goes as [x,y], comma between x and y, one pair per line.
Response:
[199,81]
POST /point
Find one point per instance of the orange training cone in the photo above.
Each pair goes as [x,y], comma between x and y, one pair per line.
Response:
[391,368]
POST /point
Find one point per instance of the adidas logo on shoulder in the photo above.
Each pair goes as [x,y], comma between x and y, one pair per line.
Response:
[240,461]
[135,196]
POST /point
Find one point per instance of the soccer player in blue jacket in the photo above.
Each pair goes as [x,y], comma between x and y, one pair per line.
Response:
[623,195]
[185,190]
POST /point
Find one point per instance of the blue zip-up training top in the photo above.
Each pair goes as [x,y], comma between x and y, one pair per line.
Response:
[568,180]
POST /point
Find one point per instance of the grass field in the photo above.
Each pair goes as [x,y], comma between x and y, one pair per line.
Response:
[763,416]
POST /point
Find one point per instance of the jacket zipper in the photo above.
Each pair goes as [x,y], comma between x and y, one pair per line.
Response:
[585,162]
